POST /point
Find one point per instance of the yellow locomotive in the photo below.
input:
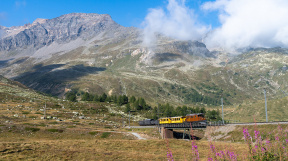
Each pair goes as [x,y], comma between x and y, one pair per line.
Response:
[190,118]
[181,121]
[172,120]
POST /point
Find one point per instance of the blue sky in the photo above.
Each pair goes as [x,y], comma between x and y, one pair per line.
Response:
[244,23]
[125,12]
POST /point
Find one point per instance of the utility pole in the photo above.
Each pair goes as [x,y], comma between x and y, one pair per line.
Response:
[157,108]
[265,105]
[129,119]
[130,116]
[122,120]
[45,111]
[222,110]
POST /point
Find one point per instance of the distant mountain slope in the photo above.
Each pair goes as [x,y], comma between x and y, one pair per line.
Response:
[15,89]
[91,52]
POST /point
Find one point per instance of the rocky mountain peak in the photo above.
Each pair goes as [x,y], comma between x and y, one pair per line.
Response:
[61,30]
[39,20]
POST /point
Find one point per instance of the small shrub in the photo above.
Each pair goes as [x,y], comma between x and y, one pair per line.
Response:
[32,129]
[105,135]
[112,114]
[54,122]
[55,130]
[93,132]
[42,124]
[25,112]
[91,123]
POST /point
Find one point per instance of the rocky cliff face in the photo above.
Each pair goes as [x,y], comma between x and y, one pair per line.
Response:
[61,30]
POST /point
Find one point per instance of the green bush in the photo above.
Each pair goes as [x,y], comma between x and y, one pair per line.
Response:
[32,129]
[55,130]
[93,132]
[105,135]
[112,114]
[42,124]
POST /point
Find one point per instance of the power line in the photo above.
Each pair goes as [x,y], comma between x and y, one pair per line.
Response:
[265,105]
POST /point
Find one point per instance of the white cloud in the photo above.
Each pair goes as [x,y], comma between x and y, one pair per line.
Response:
[249,23]
[19,4]
[176,21]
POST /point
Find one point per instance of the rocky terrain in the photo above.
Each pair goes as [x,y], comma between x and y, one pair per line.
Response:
[92,53]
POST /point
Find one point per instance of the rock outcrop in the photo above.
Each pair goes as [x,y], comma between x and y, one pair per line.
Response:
[61,30]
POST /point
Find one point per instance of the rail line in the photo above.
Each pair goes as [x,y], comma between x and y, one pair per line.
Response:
[211,124]
[258,123]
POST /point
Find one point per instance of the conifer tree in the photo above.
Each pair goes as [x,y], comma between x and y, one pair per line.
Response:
[128,108]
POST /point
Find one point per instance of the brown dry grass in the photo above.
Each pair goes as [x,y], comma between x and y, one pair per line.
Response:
[106,149]
[77,143]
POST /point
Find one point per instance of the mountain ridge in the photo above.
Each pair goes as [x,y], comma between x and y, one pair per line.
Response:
[61,29]
[102,56]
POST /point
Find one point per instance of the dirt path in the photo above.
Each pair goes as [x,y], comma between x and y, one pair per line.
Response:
[138,136]
[129,133]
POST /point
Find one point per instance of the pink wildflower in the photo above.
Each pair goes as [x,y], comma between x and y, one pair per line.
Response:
[277,138]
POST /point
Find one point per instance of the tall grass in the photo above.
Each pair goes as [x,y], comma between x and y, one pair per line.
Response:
[169,152]
[273,147]
[265,147]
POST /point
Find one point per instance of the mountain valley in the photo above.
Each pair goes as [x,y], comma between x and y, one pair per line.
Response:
[92,53]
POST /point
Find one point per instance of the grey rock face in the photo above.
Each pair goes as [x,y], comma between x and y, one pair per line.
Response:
[61,29]
[188,47]
[2,32]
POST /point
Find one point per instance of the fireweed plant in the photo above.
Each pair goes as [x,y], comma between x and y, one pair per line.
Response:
[169,152]
[195,152]
[260,147]
[221,155]
[269,148]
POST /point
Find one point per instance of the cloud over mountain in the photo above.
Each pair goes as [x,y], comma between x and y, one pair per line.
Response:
[257,23]
[176,21]
[244,23]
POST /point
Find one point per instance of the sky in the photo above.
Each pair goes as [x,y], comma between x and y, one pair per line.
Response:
[226,24]
[125,12]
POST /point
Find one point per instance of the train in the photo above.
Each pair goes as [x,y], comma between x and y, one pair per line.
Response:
[196,118]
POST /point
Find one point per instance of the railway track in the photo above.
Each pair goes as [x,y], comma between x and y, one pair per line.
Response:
[212,124]
[259,123]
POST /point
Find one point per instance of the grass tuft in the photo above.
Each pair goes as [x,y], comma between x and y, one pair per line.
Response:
[105,135]
[93,133]
[32,129]
[55,130]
